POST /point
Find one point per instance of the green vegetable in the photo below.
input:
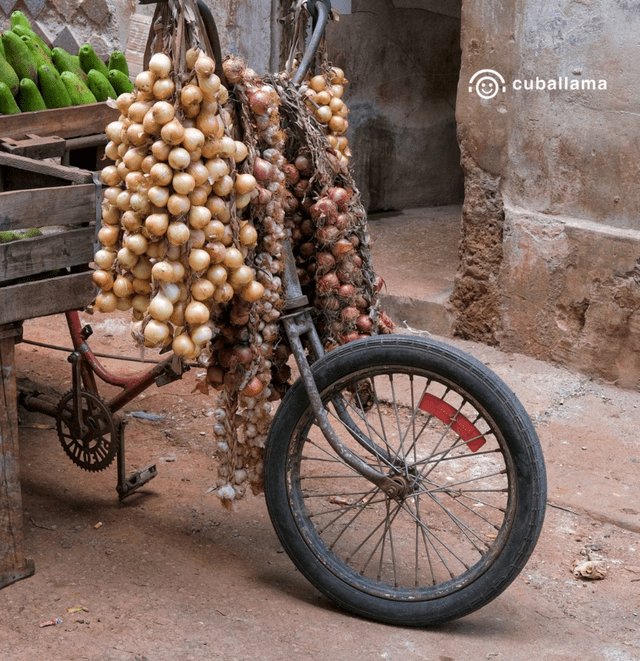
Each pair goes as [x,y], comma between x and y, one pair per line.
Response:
[8,76]
[89,60]
[100,86]
[30,98]
[120,82]
[63,61]
[18,18]
[53,90]
[8,105]
[39,55]
[78,91]
[21,31]
[118,62]
[19,56]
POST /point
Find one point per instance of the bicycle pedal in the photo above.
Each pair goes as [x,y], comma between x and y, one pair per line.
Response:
[137,480]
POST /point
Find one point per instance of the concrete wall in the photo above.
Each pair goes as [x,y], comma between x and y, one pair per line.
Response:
[551,237]
[402,60]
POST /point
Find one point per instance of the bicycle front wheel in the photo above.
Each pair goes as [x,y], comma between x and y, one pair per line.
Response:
[471,485]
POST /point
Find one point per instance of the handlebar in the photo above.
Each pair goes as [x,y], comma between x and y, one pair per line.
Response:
[319,11]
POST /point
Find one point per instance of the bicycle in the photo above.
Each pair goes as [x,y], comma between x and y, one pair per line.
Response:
[403,478]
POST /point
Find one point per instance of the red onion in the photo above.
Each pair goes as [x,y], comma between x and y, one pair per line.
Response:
[361,302]
[301,188]
[341,248]
[259,102]
[307,227]
[346,290]
[307,249]
[364,323]
[323,208]
[243,354]
[328,234]
[328,283]
[339,195]
[303,163]
[350,337]
[385,322]
[326,260]
[342,221]
[379,283]
[291,174]
[263,170]
[349,314]
[289,202]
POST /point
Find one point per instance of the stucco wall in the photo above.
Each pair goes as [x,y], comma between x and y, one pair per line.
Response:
[402,60]
[558,170]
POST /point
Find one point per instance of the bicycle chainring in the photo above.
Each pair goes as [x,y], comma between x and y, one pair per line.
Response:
[93,446]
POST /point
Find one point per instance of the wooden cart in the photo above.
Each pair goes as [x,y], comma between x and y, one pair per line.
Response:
[43,275]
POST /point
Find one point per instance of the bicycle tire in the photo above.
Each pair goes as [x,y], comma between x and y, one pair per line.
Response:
[464,450]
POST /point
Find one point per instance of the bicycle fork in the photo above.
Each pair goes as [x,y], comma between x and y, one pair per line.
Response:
[298,323]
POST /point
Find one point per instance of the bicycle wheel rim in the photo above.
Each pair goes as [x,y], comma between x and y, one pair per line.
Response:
[376,558]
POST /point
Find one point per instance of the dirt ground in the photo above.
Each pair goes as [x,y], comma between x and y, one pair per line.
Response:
[170,575]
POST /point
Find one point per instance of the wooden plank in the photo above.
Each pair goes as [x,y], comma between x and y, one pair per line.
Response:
[27,257]
[43,207]
[39,299]
[22,163]
[63,122]
[13,564]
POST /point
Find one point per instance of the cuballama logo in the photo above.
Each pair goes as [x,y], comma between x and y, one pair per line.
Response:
[488,83]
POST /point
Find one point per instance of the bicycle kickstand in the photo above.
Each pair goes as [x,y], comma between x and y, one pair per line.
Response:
[128,485]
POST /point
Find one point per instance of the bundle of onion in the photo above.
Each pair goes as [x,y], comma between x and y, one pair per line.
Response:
[324,100]
[171,245]
[242,366]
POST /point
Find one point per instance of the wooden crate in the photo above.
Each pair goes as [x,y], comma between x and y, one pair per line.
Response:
[49,273]
[74,134]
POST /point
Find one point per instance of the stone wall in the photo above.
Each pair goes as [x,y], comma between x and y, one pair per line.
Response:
[245,28]
[552,168]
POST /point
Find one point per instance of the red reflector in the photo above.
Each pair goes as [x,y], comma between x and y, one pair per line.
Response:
[455,420]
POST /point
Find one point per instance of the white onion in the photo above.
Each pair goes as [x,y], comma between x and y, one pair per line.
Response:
[178,204]
[173,131]
[162,271]
[104,258]
[163,88]
[202,289]
[179,158]
[193,139]
[122,287]
[156,332]
[199,259]
[157,223]
[196,313]
[223,186]
[159,195]
[160,307]
[183,183]
[177,233]
[199,217]
[201,334]
[182,345]
[106,301]
[171,291]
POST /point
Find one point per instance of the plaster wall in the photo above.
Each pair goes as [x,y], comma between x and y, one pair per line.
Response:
[402,60]
[551,178]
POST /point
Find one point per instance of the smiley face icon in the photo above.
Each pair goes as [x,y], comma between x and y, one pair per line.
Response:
[487,87]
[487,83]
